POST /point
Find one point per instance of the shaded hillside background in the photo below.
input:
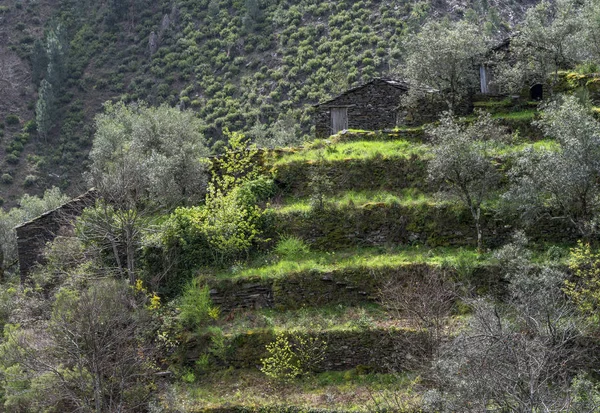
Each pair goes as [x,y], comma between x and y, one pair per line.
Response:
[254,65]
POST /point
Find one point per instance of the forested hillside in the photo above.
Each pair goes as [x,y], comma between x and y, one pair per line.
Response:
[238,64]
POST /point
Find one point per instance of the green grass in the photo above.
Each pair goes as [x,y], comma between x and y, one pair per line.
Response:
[331,318]
[408,196]
[274,267]
[356,150]
[504,103]
[541,145]
[352,390]
[520,115]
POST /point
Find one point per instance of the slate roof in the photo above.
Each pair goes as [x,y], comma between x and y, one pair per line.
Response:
[399,84]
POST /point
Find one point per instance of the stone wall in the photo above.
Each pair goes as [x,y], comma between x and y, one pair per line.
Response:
[32,236]
[375,349]
[314,288]
[377,105]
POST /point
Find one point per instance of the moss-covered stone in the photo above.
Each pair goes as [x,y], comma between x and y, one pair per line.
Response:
[357,174]
[377,350]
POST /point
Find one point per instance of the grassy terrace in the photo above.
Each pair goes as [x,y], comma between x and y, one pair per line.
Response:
[351,390]
[400,149]
[331,318]
[355,150]
[274,267]
[406,196]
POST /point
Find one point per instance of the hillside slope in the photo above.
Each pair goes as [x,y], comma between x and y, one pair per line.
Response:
[239,64]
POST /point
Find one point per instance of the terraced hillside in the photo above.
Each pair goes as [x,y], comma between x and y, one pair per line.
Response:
[238,64]
[381,230]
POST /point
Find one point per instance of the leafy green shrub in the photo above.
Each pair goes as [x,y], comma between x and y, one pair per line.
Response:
[30,126]
[6,179]
[29,180]
[12,120]
[196,306]
[293,355]
[12,159]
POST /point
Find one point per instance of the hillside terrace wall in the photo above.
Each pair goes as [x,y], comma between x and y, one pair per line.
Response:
[32,236]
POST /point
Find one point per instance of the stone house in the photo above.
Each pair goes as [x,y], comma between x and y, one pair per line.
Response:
[33,235]
[375,105]
[533,90]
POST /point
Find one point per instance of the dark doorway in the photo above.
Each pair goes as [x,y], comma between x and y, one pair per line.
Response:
[536,92]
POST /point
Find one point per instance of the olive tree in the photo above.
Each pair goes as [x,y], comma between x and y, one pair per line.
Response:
[462,162]
[562,181]
[548,39]
[152,153]
[144,160]
[443,56]
[520,355]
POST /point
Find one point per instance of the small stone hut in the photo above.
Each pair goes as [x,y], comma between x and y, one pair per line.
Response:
[375,105]
[32,236]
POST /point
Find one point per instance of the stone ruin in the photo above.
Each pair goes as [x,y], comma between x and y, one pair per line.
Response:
[33,235]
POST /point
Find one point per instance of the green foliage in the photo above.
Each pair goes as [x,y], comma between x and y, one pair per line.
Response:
[11,120]
[6,179]
[147,153]
[44,108]
[30,126]
[231,226]
[293,355]
[196,306]
[584,289]
[319,184]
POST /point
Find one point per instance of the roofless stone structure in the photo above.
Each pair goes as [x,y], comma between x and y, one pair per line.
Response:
[33,235]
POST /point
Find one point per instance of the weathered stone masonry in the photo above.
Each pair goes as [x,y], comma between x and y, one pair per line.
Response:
[32,236]
[376,105]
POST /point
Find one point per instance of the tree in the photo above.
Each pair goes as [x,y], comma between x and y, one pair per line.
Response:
[57,52]
[514,355]
[232,222]
[548,39]
[152,154]
[90,356]
[561,182]
[426,300]
[462,162]
[44,108]
[143,160]
[443,55]
[39,62]
[591,29]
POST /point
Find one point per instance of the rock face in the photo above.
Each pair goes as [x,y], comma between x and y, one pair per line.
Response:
[376,105]
[32,236]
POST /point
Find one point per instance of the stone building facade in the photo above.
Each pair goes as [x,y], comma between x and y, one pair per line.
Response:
[376,105]
[32,236]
